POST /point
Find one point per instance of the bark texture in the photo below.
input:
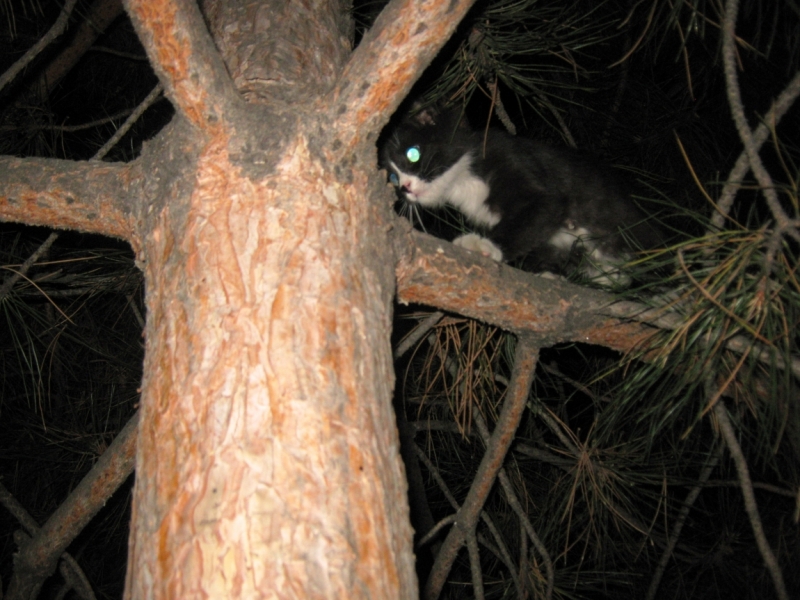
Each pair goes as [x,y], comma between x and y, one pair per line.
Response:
[268,453]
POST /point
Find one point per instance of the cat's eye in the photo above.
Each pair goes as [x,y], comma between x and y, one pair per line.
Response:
[393,178]
[412,154]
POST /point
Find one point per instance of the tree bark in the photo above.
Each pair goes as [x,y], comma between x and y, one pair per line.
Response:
[267,458]
[268,462]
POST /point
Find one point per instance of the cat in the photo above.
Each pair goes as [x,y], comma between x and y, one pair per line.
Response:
[547,208]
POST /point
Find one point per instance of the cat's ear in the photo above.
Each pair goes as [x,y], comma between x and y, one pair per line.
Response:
[424,116]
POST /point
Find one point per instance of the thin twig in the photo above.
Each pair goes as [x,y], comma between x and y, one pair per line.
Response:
[641,37]
[516,506]
[559,119]
[87,125]
[8,284]
[770,120]
[757,485]
[448,520]
[500,109]
[672,540]
[557,429]
[56,30]
[123,129]
[750,505]
[737,111]
[475,565]
[75,577]
[513,407]
[501,551]
[416,334]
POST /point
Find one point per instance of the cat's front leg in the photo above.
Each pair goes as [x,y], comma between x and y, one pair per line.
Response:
[477,243]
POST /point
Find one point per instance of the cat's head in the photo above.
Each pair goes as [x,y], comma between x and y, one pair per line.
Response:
[416,153]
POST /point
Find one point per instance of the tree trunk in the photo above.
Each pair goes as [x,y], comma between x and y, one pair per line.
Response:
[268,456]
[268,461]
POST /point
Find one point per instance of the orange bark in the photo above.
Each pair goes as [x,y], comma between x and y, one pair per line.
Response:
[268,448]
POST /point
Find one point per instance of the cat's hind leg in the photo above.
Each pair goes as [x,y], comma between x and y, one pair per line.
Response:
[477,243]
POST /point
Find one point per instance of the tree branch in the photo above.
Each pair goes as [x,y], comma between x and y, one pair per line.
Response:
[516,506]
[99,17]
[513,407]
[415,335]
[434,272]
[70,569]
[664,319]
[185,59]
[56,30]
[737,110]
[771,120]
[90,197]
[750,505]
[393,54]
[12,279]
[151,98]
[38,557]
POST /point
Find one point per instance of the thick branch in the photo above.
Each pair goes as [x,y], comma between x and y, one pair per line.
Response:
[184,57]
[38,557]
[393,54]
[434,272]
[90,197]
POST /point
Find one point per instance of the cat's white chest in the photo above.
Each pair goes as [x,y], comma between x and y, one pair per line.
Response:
[468,193]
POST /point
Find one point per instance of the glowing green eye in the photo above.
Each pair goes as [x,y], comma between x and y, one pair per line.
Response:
[412,154]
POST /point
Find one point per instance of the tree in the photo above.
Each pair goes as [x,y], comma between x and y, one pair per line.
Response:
[267,459]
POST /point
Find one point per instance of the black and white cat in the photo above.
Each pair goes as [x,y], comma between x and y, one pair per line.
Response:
[550,206]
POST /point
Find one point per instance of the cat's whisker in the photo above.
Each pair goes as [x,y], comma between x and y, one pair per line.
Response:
[417,215]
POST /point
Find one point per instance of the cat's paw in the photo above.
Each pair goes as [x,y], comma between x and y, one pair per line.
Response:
[551,276]
[477,243]
[604,270]
[607,277]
